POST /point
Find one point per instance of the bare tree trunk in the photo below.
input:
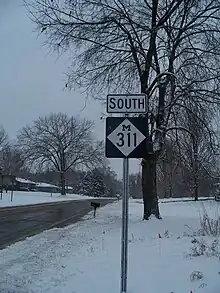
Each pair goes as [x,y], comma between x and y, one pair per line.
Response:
[171,180]
[149,188]
[12,187]
[170,188]
[195,172]
[62,173]
[63,183]
[166,178]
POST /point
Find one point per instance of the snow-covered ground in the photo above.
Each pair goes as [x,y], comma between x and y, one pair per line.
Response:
[177,199]
[85,257]
[26,198]
[183,199]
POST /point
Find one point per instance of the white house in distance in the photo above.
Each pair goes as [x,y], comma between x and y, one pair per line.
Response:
[21,184]
[46,187]
[24,184]
[69,189]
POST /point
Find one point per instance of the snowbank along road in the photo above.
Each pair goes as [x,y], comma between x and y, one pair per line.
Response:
[17,223]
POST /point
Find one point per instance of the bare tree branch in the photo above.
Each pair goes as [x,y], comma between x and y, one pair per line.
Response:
[167,49]
[60,141]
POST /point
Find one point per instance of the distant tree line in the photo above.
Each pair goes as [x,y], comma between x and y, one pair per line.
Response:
[60,150]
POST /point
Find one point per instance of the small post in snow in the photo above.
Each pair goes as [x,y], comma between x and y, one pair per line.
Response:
[12,187]
[2,177]
[95,205]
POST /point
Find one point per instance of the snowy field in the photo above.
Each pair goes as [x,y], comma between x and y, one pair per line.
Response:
[85,257]
[25,198]
[163,200]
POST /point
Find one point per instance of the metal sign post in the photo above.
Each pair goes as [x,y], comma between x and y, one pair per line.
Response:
[124,237]
[125,138]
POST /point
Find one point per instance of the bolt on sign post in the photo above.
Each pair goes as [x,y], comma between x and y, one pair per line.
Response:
[125,138]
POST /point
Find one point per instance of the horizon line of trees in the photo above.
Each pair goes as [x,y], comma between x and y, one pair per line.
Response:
[61,150]
[57,148]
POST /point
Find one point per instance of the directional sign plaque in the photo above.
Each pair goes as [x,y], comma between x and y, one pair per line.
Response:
[126,137]
[135,103]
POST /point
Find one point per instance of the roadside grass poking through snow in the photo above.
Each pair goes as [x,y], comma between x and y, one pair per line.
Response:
[205,241]
[209,226]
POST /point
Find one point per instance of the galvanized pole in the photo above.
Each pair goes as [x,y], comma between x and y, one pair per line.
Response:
[124,238]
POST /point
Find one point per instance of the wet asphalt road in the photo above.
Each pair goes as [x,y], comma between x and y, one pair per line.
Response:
[17,223]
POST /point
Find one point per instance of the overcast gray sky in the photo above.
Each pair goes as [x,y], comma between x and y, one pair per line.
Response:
[32,81]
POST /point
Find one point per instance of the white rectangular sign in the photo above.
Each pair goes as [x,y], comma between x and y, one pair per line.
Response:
[135,103]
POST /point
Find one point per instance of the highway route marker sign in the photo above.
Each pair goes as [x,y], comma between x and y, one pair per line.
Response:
[125,137]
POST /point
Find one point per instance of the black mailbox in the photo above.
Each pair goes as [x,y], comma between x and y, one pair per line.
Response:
[95,205]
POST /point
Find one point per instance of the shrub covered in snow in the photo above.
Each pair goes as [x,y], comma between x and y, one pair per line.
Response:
[202,247]
[196,275]
[205,240]
[93,184]
[209,225]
